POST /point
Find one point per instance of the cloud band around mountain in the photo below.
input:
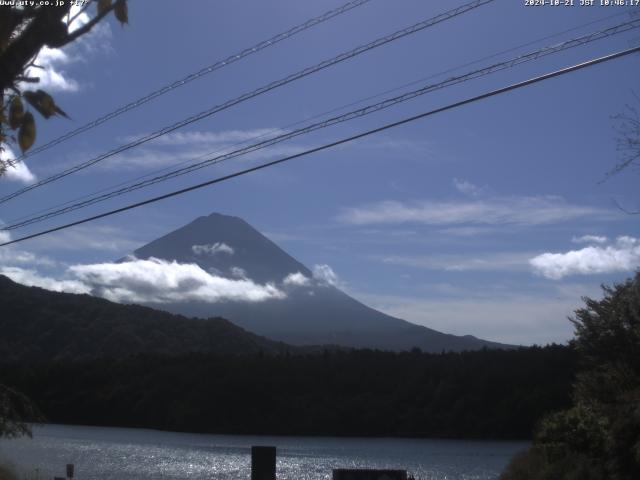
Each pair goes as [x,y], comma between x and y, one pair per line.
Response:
[160,281]
[142,281]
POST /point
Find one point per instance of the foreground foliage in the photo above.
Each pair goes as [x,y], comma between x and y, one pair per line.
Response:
[16,410]
[599,436]
[26,28]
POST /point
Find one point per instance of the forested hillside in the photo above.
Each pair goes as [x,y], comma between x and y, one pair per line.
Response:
[37,324]
[484,394]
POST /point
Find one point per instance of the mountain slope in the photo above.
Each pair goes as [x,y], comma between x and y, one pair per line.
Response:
[38,324]
[262,260]
[313,312]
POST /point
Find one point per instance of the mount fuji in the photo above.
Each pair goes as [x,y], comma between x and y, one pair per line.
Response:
[308,310]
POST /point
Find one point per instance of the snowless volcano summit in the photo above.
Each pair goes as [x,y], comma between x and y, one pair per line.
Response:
[310,310]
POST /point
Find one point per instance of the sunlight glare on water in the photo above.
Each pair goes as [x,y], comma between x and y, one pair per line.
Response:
[135,454]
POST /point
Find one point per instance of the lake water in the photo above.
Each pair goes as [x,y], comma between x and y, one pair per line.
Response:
[134,454]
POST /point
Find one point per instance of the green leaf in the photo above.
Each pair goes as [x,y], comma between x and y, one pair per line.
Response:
[103,5]
[121,11]
[16,112]
[43,103]
[27,132]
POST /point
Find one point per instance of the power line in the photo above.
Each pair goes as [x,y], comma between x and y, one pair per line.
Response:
[384,104]
[265,88]
[322,114]
[194,76]
[404,121]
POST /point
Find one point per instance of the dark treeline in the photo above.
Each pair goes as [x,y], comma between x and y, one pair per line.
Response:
[483,394]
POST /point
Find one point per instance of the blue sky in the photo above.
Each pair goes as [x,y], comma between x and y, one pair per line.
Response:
[490,220]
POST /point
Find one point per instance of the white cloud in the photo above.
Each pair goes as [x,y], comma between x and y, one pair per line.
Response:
[212,249]
[468,231]
[137,281]
[525,211]
[462,263]
[324,274]
[10,256]
[79,19]
[410,149]
[95,237]
[183,148]
[590,239]
[32,278]
[53,77]
[212,138]
[297,279]
[623,256]
[18,172]
[467,188]
[159,281]
[238,272]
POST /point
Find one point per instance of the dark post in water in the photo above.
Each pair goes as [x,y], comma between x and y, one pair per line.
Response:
[263,463]
[368,474]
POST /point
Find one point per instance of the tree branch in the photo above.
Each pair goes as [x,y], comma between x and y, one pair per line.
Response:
[80,12]
[86,28]
[25,79]
[47,26]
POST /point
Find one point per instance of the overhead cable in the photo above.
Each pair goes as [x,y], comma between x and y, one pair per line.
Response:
[194,76]
[384,104]
[319,115]
[266,88]
[387,126]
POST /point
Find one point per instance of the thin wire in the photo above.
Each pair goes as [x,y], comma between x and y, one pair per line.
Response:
[387,126]
[389,102]
[322,114]
[266,88]
[194,76]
